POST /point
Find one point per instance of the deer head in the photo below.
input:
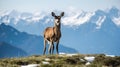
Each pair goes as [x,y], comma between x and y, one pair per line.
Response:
[57,19]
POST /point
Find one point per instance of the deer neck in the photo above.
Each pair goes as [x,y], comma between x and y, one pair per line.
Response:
[56,28]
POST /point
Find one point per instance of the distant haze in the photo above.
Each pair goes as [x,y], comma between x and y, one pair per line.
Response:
[50,5]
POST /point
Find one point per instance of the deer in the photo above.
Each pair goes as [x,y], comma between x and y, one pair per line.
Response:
[53,34]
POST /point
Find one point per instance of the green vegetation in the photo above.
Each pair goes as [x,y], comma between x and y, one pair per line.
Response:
[62,61]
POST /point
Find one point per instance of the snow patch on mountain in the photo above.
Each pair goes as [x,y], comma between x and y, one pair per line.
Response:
[116,21]
[37,16]
[100,21]
[77,19]
[4,12]
[5,19]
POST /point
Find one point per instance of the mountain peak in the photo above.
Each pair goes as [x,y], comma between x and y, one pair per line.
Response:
[114,12]
[2,24]
[100,12]
[114,9]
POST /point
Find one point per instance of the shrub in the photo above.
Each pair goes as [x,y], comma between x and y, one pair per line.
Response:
[112,61]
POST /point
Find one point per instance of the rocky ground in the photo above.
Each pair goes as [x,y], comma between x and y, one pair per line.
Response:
[63,60]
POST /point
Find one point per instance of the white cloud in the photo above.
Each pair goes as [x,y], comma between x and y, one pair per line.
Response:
[100,21]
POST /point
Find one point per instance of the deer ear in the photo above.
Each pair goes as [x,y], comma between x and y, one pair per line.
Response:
[62,14]
[53,14]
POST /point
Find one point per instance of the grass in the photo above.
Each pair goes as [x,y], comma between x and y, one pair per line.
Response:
[62,61]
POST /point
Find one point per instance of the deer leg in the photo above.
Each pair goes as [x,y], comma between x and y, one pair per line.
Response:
[52,48]
[44,47]
[57,46]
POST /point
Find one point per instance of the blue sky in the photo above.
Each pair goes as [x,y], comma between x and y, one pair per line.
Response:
[38,5]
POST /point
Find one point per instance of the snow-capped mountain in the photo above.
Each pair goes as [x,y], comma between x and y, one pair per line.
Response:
[88,32]
[24,21]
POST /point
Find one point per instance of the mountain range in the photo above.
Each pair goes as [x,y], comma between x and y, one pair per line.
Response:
[87,32]
[7,50]
[14,43]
